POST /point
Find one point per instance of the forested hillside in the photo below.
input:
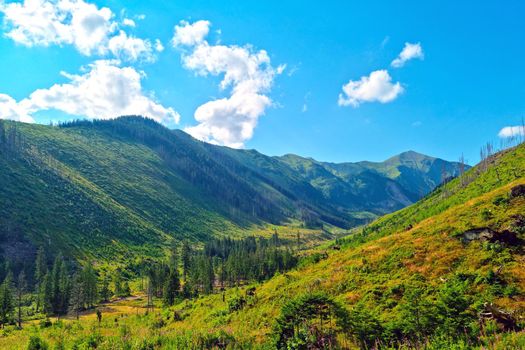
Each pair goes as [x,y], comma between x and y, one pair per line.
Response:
[107,189]
[444,273]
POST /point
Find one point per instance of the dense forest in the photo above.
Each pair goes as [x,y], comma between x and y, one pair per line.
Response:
[64,288]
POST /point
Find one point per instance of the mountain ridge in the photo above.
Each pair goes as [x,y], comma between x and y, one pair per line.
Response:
[130,184]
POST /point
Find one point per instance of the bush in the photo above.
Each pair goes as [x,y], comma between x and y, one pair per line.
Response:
[303,323]
[36,343]
[46,323]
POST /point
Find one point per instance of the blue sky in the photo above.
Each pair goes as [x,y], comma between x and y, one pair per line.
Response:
[460,91]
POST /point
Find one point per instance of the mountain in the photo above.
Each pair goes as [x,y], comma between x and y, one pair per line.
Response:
[375,187]
[128,186]
[444,273]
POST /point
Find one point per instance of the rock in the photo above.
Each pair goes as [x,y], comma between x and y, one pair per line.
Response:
[505,320]
[486,234]
[507,237]
[517,191]
[478,234]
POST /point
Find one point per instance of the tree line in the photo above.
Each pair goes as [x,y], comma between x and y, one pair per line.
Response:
[62,288]
[222,263]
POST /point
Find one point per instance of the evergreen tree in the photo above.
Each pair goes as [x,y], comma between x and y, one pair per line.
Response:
[105,292]
[118,285]
[77,299]
[185,256]
[47,294]
[21,287]
[6,301]
[40,273]
[171,287]
[89,282]
[126,290]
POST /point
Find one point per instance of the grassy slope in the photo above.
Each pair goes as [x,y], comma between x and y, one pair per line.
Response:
[76,197]
[370,268]
[391,255]
[126,187]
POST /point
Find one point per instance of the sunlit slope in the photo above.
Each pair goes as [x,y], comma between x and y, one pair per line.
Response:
[423,244]
[127,187]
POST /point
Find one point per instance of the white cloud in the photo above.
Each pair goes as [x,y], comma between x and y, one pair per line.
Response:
[511,131]
[128,22]
[9,109]
[105,91]
[190,34]
[92,30]
[377,87]
[227,121]
[130,48]
[409,52]
[158,46]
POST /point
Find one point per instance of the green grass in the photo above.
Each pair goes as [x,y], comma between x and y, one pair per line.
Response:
[419,245]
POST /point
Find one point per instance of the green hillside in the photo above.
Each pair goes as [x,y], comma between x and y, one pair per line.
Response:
[412,279]
[127,187]
[421,275]
[444,273]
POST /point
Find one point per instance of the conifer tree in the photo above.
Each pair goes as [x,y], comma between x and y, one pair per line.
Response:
[21,287]
[77,299]
[105,292]
[89,282]
[6,301]
[40,273]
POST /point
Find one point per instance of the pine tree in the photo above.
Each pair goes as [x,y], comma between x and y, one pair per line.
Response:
[118,285]
[89,281]
[40,273]
[20,289]
[6,301]
[77,299]
[185,258]
[105,292]
[47,294]
[64,288]
[171,287]
[126,290]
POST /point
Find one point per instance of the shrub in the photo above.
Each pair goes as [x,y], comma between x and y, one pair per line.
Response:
[37,343]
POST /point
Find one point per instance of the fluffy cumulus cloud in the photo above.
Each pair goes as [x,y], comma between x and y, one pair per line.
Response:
[246,72]
[92,30]
[190,34]
[409,52]
[377,87]
[104,91]
[131,49]
[10,109]
[512,131]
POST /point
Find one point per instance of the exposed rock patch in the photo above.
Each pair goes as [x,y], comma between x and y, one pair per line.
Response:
[488,235]
[517,191]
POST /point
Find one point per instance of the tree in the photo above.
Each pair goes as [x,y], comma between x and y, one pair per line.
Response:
[60,287]
[417,313]
[20,289]
[453,305]
[77,299]
[185,256]
[89,281]
[310,321]
[40,273]
[105,292]
[171,287]
[6,301]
